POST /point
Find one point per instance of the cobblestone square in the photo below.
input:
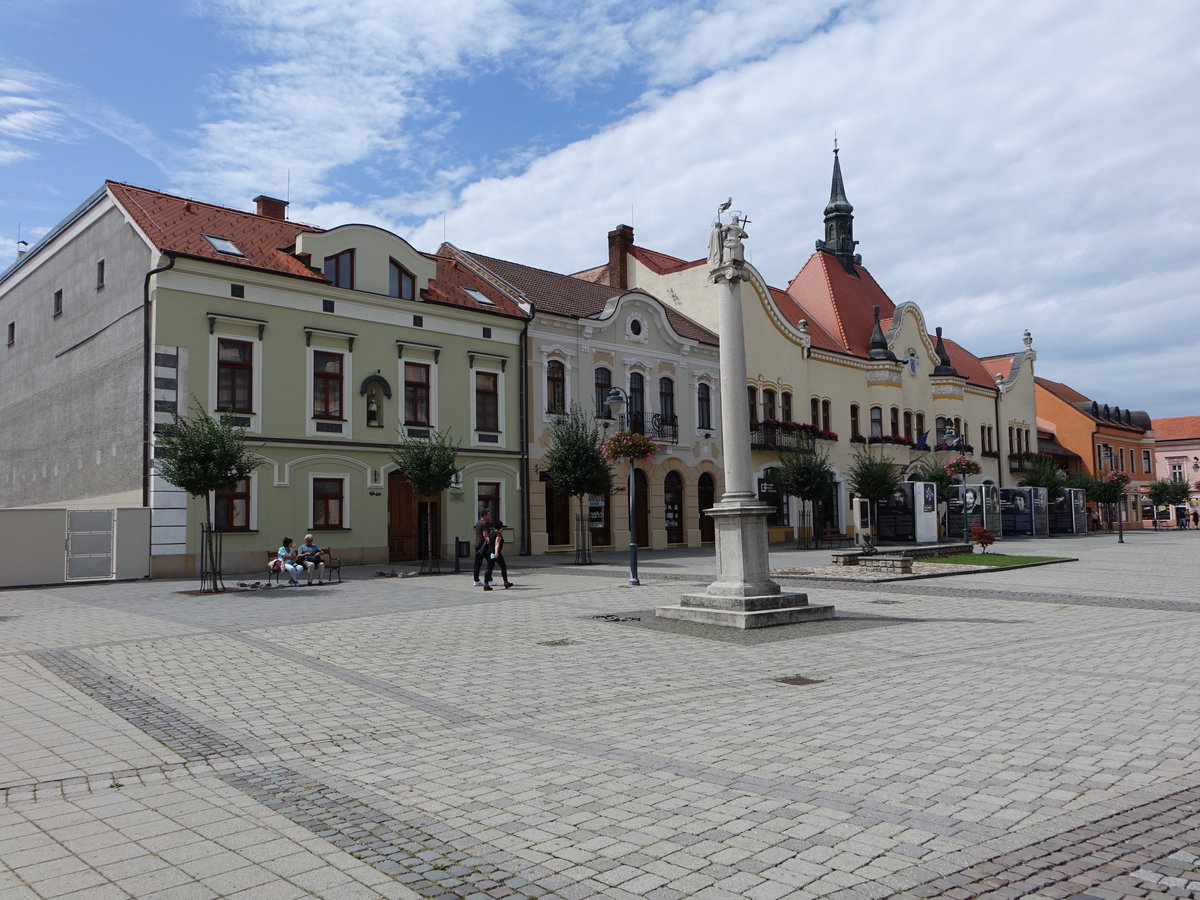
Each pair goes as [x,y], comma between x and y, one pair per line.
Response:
[1024,733]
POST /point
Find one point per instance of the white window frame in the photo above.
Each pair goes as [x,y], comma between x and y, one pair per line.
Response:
[560,355]
[327,344]
[344,477]
[256,375]
[252,512]
[424,356]
[483,364]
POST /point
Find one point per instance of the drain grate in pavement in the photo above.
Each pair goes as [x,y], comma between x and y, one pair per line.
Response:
[610,617]
[564,642]
[799,680]
[886,602]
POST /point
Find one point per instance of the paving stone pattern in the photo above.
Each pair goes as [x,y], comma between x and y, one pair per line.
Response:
[1021,734]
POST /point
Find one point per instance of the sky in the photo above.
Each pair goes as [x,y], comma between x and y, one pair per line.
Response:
[1012,165]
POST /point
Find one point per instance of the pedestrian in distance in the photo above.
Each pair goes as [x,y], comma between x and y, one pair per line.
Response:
[1196,520]
[482,529]
[287,556]
[495,555]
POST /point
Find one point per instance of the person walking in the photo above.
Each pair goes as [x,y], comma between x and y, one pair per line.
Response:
[1196,519]
[309,557]
[287,555]
[482,529]
[495,555]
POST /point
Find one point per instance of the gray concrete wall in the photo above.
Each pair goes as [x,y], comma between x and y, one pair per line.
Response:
[71,385]
[34,542]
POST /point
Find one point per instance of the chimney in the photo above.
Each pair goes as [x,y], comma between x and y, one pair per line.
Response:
[620,239]
[22,248]
[271,207]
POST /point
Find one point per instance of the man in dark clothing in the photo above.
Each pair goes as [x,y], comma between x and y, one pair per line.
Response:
[482,528]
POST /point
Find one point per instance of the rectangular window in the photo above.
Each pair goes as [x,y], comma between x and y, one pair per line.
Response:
[339,269]
[1146,461]
[327,385]
[235,375]
[556,387]
[487,401]
[487,497]
[12,333]
[752,399]
[99,274]
[1177,470]
[785,406]
[401,283]
[328,502]
[855,429]
[232,507]
[908,432]
[57,304]
[895,420]
[920,424]
[827,415]
[1122,459]
[416,394]
[876,421]
[666,399]
[768,404]
[703,406]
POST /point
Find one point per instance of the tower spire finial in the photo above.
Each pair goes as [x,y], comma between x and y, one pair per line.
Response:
[839,220]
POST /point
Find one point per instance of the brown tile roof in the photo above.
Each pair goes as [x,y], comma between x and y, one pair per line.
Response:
[566,295]
[1178,428]
[178,225]
[1139,421]
[451,280]
[661,262]
[967,364]
[1063,392]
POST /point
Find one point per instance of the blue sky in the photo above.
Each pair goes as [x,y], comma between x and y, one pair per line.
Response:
[1012,165]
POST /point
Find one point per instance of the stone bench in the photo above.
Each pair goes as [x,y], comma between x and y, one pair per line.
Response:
[897,565]
[846,557]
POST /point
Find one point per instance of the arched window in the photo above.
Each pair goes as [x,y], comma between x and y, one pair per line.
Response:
[920,424]
[768,404]
[556,387]
[666,399]
[636,413]
[876,421]
[895,420]
[827,415]
[855,430]
[940,429]
[908,423]
[602,387]
[785,406]
[703,406]
[752,399]
[814,412]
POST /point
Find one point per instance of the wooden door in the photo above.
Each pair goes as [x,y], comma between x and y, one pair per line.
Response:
[407,510]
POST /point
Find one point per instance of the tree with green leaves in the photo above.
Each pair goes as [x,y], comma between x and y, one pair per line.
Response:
[932,469]
[873,477]
[1168,493]
[1042,471]
[804,473]
[575,464]
[430,465]
[200,455]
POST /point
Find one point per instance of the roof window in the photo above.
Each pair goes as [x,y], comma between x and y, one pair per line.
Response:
[477,297]
[223,245]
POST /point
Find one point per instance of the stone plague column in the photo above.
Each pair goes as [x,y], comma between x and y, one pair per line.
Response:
[743,596]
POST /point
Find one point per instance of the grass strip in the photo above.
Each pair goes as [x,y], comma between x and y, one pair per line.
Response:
[989,559]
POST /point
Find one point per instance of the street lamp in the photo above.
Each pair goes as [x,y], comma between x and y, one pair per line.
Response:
[1107,455]
[617,400]
[952,440]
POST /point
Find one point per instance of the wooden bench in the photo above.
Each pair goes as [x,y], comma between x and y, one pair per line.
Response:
[832,538]
[273,575]
[333,566]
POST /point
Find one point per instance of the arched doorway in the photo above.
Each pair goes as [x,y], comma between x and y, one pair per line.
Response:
[706,496]
[673,507]
[642,507]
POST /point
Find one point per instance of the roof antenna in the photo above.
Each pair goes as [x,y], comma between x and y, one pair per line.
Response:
[443,228]
[288,196]
[835,147]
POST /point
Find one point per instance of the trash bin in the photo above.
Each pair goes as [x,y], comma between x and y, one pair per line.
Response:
[462,550]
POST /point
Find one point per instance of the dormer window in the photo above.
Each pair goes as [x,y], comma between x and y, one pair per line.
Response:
[401,283]
[477,297]
[339,269]
[221,245]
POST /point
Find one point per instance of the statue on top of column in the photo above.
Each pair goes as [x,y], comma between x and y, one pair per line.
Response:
[726,253]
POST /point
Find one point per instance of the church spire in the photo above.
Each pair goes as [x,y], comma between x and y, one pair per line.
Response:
[839,221]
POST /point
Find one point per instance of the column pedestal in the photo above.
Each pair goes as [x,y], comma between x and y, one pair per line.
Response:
[743,596]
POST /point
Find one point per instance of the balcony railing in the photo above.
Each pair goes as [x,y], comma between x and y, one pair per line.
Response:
[664,429]
[785,437]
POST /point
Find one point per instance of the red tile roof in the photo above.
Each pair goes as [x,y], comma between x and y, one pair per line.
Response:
[452,277]
[794,312]
[1063,392]
[566,295]
[178,225]
[1179,428]
[839,301]
[1139,423]
[967,364]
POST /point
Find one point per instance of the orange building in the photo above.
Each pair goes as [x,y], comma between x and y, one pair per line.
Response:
[1104,438]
